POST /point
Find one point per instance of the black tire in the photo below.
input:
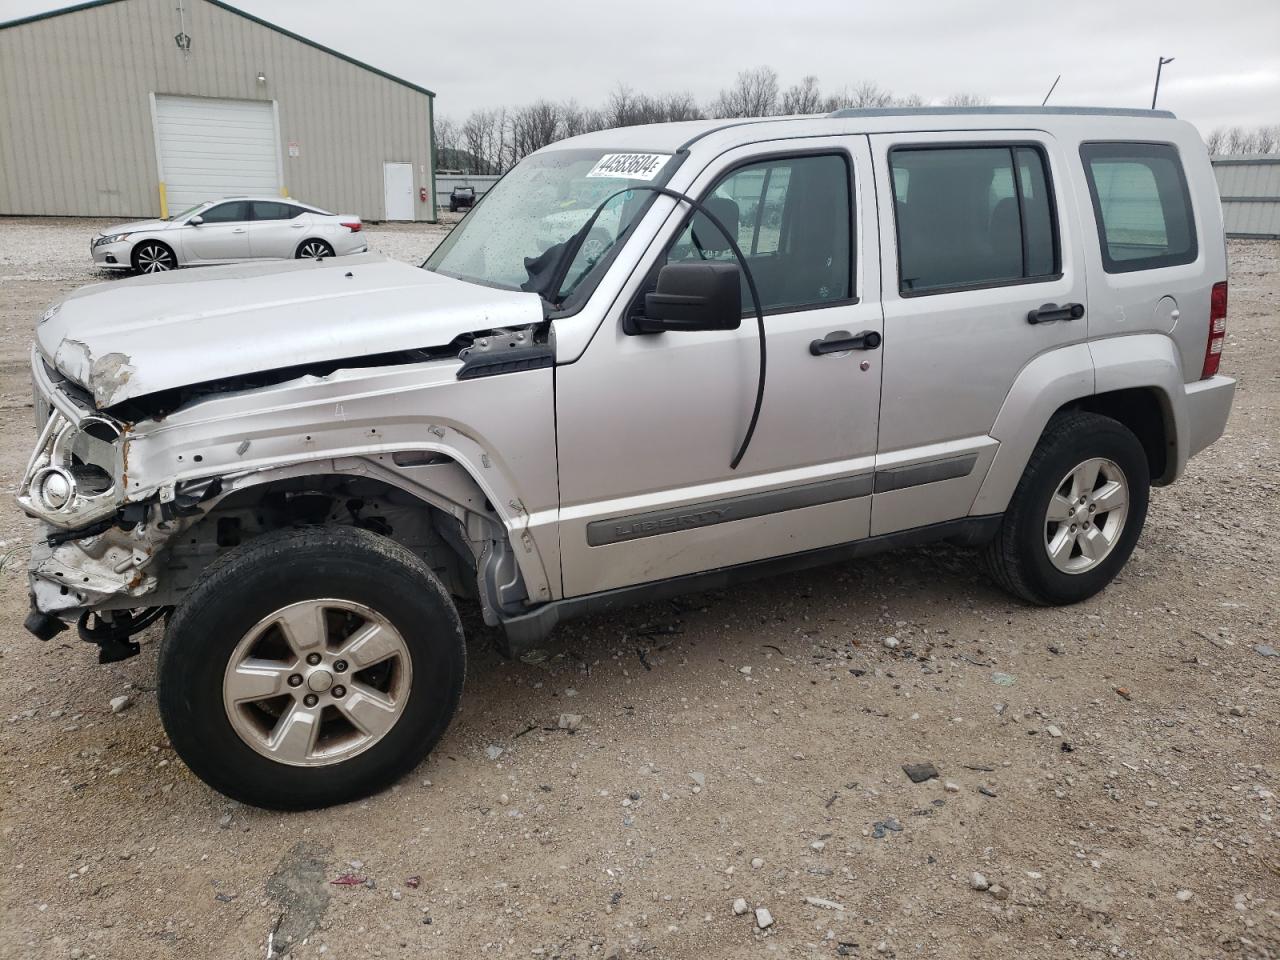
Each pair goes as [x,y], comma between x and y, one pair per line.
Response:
[313,249]
[1017,558]
[152,256]
[266,574]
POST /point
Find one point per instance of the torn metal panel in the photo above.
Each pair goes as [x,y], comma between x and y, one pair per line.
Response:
[500,438]
[111,565]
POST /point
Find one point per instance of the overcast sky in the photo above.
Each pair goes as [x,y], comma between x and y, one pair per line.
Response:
[1227,67]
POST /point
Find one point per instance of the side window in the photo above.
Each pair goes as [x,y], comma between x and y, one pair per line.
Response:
[269,210]
[972,217]
[1142,205]
[232,212]
[792,219]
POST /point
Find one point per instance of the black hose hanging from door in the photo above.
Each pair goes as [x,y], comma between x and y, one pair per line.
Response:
[574,244]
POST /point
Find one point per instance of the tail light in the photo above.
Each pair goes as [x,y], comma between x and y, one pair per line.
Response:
[1217,330]
[355,226]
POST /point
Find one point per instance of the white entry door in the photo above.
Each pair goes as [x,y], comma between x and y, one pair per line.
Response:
[397,187]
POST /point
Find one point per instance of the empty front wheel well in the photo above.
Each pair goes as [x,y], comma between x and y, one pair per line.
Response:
[1146,412]
[428,531]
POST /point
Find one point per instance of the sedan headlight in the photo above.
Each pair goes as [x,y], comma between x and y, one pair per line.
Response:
[73,476]
[112,238]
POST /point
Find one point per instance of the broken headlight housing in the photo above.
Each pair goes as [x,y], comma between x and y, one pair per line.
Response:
[75,475]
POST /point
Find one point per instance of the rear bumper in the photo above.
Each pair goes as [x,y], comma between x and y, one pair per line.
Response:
[1208,406]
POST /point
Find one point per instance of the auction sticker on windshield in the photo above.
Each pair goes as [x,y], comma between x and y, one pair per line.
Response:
[630,166]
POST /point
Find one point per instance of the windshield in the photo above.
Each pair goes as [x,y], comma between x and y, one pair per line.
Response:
[188,211]
[544,201]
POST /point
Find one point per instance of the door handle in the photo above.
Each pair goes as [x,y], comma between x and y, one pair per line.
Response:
[1049,312]
[840,341]
[238,230]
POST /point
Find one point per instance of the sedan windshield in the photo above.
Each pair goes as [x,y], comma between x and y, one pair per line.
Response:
[545,200]
[189,210]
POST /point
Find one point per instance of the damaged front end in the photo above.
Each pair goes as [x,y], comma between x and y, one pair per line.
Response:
[92,561]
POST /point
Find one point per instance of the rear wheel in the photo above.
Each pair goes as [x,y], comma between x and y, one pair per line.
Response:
[152,256]
[314,250]
[1076,514]
[310,667]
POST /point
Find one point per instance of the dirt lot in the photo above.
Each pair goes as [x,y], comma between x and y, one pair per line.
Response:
[1111,769]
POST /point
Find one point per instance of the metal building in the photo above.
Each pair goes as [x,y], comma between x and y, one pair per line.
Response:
[131,108]
[1250,189]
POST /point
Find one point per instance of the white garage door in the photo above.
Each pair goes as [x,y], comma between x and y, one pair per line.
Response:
[216,148]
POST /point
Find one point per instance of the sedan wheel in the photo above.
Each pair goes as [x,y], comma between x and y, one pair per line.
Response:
[154,258]
[314,250]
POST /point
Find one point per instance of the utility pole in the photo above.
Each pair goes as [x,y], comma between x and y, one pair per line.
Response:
[1159,66]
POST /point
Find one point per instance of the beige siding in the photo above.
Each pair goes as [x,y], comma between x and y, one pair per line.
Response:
[75,109]
[1250,190]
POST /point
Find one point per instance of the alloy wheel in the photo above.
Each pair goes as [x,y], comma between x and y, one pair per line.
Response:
[1086,515]
[314,250]
[317,682]
[154,258]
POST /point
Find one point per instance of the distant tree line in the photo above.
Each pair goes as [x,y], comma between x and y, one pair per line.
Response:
[1233,140]
[493,141]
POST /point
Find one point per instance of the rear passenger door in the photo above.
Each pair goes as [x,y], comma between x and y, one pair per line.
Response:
[277,229]
[982,272]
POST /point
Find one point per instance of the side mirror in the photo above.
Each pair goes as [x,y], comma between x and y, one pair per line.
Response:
[196,221]
[705,295]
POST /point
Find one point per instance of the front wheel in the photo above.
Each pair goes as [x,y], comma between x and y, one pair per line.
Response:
[152,256]
[310,667]
[1076,514]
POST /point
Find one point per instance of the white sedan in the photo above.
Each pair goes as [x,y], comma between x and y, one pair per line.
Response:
[228,231]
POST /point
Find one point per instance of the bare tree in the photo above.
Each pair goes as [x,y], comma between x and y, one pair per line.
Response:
[909,100]
[966,100]
[622,107]
[533,127]
[866,95]
[754,94]
[1215,141]
[680,106]
[448,141]
[484,136]
[803,97]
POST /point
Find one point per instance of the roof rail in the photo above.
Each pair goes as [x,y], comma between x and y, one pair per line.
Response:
[1000,111]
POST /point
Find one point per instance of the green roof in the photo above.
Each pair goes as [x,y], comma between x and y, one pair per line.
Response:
[238,12]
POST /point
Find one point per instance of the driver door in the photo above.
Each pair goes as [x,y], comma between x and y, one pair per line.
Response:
[648,424]
[222,235]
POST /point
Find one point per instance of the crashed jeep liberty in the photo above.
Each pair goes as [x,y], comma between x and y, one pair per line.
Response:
[652,360]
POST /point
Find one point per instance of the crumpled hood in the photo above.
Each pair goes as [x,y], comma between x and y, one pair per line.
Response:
[129,338]
[136,226]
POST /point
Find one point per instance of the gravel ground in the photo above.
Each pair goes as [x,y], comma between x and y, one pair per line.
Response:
[1109,771]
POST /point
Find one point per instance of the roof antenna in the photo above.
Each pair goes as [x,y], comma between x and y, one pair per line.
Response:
[1050,93]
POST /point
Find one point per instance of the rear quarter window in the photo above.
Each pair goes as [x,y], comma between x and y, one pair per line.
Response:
[1141,204]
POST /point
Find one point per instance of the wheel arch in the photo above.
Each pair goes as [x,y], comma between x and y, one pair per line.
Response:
[1136,380]
[428,502]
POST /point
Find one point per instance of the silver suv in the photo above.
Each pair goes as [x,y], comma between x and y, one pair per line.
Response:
[652,360]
